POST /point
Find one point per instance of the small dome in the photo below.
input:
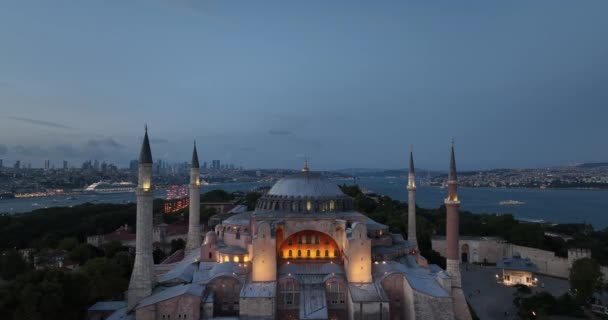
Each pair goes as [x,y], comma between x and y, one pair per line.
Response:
[305,185]
[210,237]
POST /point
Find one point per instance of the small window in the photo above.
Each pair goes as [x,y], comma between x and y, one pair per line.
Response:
[308,253]
[299,253]
[210,255]
[290,253]
[327,253]
[318,253]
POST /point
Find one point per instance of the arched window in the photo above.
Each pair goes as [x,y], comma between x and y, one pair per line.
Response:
[308,253]
[332,205]
[290,253]
[289,294]
[299,253]
[308,206]
[317,238]
[327,253]
[210,255]
[289,241]
[318,253]
[336,292]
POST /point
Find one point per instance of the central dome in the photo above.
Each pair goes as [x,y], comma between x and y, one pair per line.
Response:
[305,185]
[305,192]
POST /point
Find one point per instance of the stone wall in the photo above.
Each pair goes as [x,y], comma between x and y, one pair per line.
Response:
[428,307]
[257,308]
[492,250]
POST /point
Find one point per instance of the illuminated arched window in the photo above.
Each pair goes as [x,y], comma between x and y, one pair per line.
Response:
[308,205]
[336,292]
[299,253]
[332,205]
[318,253]
[236,259]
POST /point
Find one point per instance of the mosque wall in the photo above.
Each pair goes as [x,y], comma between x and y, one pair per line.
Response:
[257,308]
[181,307]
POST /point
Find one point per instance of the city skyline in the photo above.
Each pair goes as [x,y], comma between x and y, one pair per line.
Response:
[516,84]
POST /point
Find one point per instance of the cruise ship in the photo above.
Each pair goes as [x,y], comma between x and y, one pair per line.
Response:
[110,187]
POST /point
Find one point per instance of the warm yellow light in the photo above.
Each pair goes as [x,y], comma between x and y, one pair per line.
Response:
[308,205]
[226,258]
[236,259]
[246,259]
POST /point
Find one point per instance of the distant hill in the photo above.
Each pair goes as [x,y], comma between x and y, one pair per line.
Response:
[593,165]
[370,172]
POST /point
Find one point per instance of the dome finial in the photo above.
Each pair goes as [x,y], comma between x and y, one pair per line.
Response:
[305,169]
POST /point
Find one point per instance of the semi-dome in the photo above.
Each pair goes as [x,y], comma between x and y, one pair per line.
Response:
[305,192]
[305,185]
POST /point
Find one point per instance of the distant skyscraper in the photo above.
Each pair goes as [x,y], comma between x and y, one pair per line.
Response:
[47,164]
[65,164]
[205,165]
[17,164]
[215,164]
[133,165]
[1,163]
[96,165]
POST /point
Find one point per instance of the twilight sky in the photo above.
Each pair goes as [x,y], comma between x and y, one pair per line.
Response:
[347,83]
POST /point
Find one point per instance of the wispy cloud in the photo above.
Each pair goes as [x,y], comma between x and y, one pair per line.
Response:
[280,132]
[158,140]
[41,122]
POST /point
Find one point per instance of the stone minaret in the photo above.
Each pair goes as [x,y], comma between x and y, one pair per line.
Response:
[194,226]
[411,191]
[143,278]
[452,205]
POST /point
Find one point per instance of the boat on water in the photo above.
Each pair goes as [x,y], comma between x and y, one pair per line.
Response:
[110,187]
[511,203]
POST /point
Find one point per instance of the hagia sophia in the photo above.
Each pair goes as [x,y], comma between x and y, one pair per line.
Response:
[303,253]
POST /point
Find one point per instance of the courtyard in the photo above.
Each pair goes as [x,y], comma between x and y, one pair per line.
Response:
[492,300]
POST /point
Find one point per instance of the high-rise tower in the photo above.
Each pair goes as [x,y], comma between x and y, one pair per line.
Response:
[452,206]
[143,278]
[411,192]
[194,225]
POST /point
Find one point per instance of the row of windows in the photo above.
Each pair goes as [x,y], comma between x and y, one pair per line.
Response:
[305,206]
[308,238]
[308,253]
[179,316]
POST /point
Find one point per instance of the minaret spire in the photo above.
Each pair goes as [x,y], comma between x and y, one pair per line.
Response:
[411,191]
[194,163]
[145,155]
[305,169]
[452,175]
[143,277]
[194,217]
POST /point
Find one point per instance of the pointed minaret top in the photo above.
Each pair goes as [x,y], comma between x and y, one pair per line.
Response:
[452,175]
[412,160]
[195,163]
[145,155]
[305,169]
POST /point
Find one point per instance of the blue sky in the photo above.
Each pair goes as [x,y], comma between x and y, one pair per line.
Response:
[346,83]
